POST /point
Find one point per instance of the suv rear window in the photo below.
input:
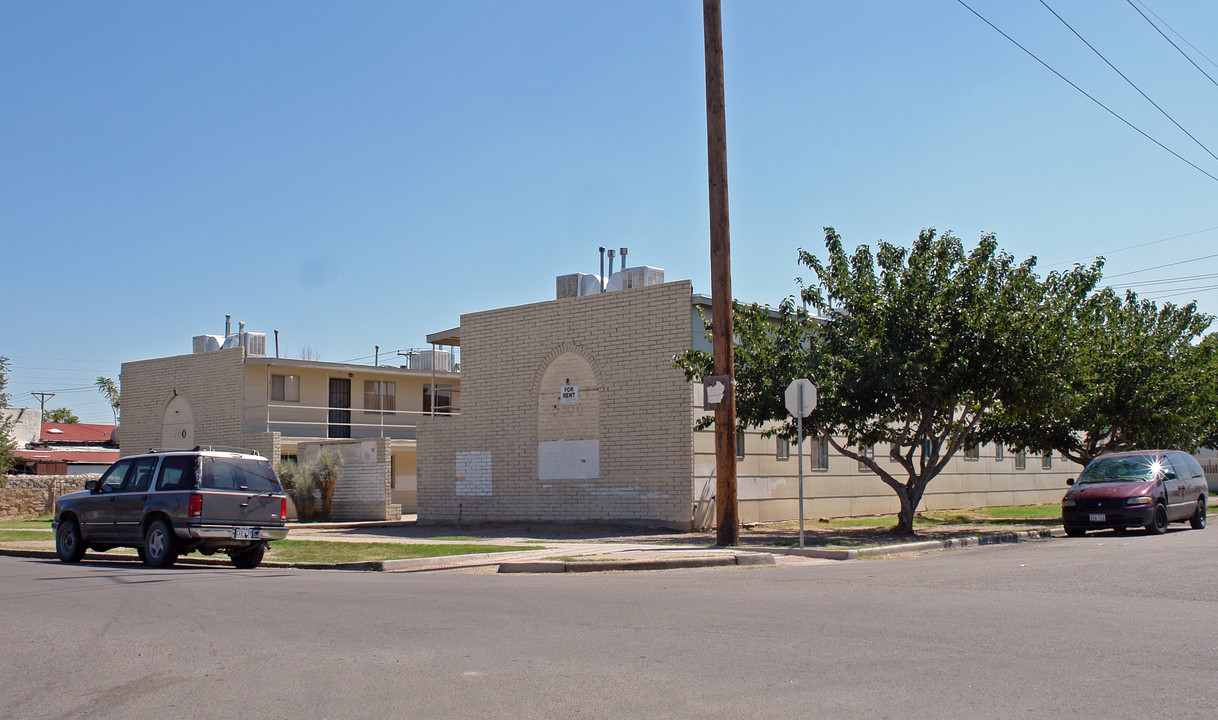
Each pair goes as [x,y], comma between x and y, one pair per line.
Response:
[239,474]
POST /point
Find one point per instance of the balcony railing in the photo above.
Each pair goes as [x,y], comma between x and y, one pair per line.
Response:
[305,421]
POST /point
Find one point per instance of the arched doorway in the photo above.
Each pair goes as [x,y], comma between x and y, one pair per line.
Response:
[178,425]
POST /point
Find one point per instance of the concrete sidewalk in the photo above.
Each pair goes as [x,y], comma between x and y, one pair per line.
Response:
[560,556]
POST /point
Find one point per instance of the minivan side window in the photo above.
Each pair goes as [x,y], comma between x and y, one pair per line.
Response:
[177,473]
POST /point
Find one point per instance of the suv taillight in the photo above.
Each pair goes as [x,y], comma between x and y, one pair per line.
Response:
[283,508]
[196,505]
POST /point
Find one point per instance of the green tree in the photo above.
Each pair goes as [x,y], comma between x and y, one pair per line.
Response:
[107,387]
[913,348]
[7,445]
[59,415]
[1137,376]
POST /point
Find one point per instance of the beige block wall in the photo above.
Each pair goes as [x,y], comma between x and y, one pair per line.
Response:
[362,489]
[642,416]
[768,488]
[212,383]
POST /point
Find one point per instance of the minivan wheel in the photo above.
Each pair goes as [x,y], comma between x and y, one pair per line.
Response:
[1198,518]
[249,558]
[68,544]
[1158,522]
[160,545]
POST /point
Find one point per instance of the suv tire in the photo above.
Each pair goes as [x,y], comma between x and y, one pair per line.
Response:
[248,558]
[160,545]
[69,546]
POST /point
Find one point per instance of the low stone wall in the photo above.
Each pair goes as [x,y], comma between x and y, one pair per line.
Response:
[27,496]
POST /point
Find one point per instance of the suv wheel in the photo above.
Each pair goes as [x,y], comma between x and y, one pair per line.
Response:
[1198,518]
[248,558]
[68,544]
[160,545]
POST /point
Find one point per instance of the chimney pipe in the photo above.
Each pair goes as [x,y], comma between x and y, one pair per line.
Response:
[622,252]
[276,342]
[604,280]
[377,361]
[228,325]
[611,254]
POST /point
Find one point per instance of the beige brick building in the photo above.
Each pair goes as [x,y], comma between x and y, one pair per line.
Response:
[285,408]
[572,411]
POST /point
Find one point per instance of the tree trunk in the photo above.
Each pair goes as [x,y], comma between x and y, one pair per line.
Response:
[905,517]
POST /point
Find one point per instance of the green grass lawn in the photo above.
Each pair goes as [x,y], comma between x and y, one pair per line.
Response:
[31,524]
[7,535]
[321,551]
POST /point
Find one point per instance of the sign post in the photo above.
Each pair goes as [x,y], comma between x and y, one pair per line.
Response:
[800,401]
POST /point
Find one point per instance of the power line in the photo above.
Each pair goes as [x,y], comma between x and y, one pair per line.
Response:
[1133,247]
[1126,79]
[1168,281]
[1177,47]
[1158,267]
[1135,128]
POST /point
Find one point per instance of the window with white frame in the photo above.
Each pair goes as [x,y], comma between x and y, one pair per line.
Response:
[1021,460]
[783,451]
[739,446]
[1046,461]
[380,395]
[285,388]
[998,451]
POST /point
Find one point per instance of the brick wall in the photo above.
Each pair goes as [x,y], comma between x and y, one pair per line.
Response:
[632,420]
[362,490]
[27,496]
[213,386]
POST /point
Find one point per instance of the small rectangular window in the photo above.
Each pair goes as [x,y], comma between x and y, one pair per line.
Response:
[867,452]
[972,451]
[739,446]
[380,395]
[1021,460]
[443,399]
[285,388]
[998,451]
[1046,462]
[783,452]
[820,453]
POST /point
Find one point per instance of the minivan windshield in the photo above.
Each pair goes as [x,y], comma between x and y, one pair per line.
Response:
[1133,468]
[239,474]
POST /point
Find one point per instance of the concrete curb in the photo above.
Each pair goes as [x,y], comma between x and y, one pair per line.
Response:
[559,566]
[951,543]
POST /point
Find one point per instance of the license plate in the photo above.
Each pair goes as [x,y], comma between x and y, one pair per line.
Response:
[245,534]
[1096,517]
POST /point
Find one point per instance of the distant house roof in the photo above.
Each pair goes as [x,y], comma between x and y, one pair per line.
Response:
[78,434]
[68,456]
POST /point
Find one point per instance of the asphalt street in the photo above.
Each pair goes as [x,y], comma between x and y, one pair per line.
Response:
[1102,626]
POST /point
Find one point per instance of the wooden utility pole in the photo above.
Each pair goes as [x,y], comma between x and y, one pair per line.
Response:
[726,505]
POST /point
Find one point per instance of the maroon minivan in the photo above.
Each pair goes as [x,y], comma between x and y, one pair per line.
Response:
[1142,488]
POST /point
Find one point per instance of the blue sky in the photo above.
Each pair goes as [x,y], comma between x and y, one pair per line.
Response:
[356,174]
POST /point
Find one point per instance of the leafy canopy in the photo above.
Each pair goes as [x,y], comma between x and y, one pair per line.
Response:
[912,348]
